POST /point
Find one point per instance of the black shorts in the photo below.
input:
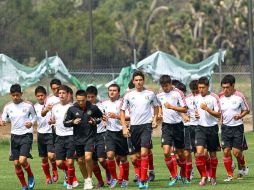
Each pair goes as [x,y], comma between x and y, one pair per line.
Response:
[116,142]
[141,136]
[208,137]
[45,144]
[233,137]
[99,146]
[88,146]
[64,147]
[173,134]
[21,145]
[189,138]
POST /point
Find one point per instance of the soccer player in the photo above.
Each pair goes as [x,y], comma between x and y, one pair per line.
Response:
[64,144]
[83,117]
[22,116]
[172,104]
[46,147]
[206,134]
[116,143]
[99,153]
[140,101]
[233,108]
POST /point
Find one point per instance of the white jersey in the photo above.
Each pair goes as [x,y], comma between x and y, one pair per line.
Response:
[139,105]
[113,107]
[101,126]
[175,98]
[232,105]
[42,122]
[52,99]
[58,112]
[18,114]
[212,101]
[192,108]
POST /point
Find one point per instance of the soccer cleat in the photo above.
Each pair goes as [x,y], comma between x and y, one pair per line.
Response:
[202,181]
[48,181]
[240,174]
[143,185]
[136,179]
[31,182]
[209,179]
[113,183]
[65,180]
[75,184]
[100,184]
[24,188]
[192,174]
[213,182]
[54,178]
[187,181]
[173,182]
[151,175]
[108,178]
[69,186]
[233,167]
[88,183]
[124,184]
[228,179]
[245,171]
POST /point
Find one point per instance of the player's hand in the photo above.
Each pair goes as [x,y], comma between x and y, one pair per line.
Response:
[237,117]
[168,105]
[154,124]
[186,118]
[104,118]
[126,132]
[112,115]
[51,121]
[159,117]
[28,124]
[92,121]
[2,123]
[203,106]
[77,121]
[49,107]
[197,116]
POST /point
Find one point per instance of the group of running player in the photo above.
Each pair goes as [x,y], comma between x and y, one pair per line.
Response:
[106,132]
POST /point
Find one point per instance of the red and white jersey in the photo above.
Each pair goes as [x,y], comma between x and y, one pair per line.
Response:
[113,107]
[231,106]
[192,108]
[59,112]
[42,122]
[175,98]
[18,114]
[212,101]
[101,126]
[139,105]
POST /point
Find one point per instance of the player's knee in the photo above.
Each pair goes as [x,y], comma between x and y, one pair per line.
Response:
[44,159]
[227,152]
[51,156]
[23,161]
[88,158]
[59,163]
[237,153]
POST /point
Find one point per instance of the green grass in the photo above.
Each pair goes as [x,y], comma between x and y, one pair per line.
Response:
[9,181]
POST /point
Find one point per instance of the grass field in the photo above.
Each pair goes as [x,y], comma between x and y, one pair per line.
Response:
[9,181]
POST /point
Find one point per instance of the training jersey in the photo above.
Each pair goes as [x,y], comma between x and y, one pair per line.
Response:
[232,105]
[139,105]
[101,127]
[18,114]
[114,107]
[176,98]
[212,101]
[42,122]
[192,108]
[59,112]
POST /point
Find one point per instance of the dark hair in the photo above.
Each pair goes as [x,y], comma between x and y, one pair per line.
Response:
[165,79]
[138,73]
[181,87]
[193,85]
[55,81]
[40,89]
[115,85]
[203,80]
[175,82]
[15,88]
[228,79]
[92,90]
[64,88]
[131,85]
[81,93]
[69,90]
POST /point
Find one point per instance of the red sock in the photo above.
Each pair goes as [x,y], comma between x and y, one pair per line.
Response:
[172,165]
[20,174]
[150,157]
[137,164]
[97,173]
[70,175]
[54,168]
[228,165]
[241,160]
[121,172]
[45,167]
[144,168]
[65,167]
[28,170]
[112,168]
[182,164]
[208,167]
[188,168]
[214,164]
[125,168]
[201,165]
[75,177]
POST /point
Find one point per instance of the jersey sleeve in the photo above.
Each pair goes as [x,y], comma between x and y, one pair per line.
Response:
[5,114]
[158,99]
[244,104]
[181,100]
[33,114]
[125,102]
[155,101]
[68,120]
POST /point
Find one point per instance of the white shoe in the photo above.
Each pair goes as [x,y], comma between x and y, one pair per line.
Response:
[245,171]
[240,174]
[69,186]
[75,184]
[229,178]
[192,174]
[88,183]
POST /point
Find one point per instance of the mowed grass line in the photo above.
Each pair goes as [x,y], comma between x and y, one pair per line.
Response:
[9,181]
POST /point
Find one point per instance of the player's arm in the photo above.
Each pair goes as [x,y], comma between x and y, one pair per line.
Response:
[176,108]
[97,115]
[215,113]
[33,116]
[4,117]
[46,109]
[69,120]
[244,109]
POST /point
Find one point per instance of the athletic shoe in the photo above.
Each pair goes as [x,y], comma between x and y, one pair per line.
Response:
[136,178]
[240,174]
[113,183]
[54,178]
[192,174]
[88,183]
[202,181]
[151,176]
[124,184]
[208,179]
[75,184]
[213,181]
[187,181]
[48,181]
[108,178]
[143,185]
[69,186]
[173,182]
[31,182]
[228,179]
[100,184]
[24,188]
[245,171]
[233,166]
[65,180]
